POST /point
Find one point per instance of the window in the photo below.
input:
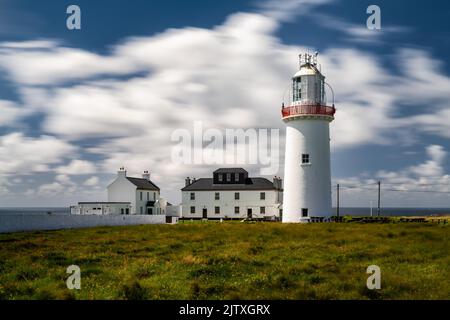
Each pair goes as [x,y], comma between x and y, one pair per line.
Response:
[236,210]
[220,176]
[140,195]
[305,158]
[297,89]
[228,177]
[262,210]
[154,196]
[141,210]
[148,196]
[236,177]
[262,196]
[192,195]
[192,210]
[216,210]
[121,210]
[236,196]
[304,212]
[217,196]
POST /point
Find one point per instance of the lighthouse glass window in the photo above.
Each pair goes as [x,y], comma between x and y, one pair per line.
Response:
[297,89]
[305,158]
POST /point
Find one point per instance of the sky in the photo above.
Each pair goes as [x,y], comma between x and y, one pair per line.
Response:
[75,105]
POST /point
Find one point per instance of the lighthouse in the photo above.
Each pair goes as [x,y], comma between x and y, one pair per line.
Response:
[307,173]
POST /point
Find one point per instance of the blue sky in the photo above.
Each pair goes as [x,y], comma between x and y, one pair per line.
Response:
[77,104]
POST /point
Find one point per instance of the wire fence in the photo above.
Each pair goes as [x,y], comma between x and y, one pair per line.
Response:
[379,187]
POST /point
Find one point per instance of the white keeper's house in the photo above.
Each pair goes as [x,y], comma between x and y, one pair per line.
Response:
[127,195]
[232,194]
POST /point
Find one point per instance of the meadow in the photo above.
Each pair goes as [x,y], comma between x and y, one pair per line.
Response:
[229,260]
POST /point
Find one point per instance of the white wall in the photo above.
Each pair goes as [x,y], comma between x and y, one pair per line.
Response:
[13,223]
[307,186]
[248,199]
[122,190]
[100,208]
[153,196]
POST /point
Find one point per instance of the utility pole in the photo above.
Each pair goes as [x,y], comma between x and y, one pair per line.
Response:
[379,197]
[337,201]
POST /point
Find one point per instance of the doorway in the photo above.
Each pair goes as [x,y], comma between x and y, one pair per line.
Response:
[249,213]
[205,213]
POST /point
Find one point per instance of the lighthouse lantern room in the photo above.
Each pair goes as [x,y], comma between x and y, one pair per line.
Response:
[307,187]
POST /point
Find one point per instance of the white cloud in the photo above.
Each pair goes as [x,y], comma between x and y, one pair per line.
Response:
[22,155]
[50,189]
[230,76]
[91,182]
[357,32]
[432,167]
[10,112]
[288,9]
[428,179]
[77,167]
[64,179]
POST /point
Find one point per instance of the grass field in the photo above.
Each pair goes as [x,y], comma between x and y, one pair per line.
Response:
[229,260]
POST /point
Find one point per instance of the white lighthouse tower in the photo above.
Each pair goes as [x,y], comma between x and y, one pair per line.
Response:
[307,187]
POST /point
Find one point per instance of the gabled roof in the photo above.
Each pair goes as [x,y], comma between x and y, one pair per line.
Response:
[143,184]
[206,184]
[230,170]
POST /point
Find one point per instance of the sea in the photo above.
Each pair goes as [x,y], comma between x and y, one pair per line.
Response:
[352,211]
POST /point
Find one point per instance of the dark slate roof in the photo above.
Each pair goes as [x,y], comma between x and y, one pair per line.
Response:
[144,184]
[206,184]
[229,170]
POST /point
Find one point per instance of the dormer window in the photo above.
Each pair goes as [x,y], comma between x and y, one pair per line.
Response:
[228,177]
[236,177]
[220,177]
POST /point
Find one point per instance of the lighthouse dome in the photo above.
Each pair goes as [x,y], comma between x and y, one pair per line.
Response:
[307,69]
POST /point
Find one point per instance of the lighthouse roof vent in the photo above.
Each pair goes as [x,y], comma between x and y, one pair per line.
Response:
[308,65]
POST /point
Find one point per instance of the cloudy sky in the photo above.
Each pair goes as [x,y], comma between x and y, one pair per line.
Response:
[75,105]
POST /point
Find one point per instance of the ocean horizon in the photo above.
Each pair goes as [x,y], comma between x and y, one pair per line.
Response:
[352,211]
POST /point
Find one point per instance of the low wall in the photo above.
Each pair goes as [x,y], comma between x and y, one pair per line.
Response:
[24,222]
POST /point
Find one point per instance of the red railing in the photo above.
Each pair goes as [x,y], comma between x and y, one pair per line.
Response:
[307,109]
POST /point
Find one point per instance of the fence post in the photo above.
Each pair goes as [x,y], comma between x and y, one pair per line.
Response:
[337,201]
[379,197]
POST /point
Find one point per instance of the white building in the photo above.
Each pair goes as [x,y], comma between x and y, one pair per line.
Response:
[142,193]
[127,195]
[101,208]
[231,194]
[307,187]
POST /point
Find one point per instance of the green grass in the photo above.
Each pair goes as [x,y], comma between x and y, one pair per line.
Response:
[229,260]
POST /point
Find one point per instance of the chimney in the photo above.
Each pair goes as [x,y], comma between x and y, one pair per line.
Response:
[277,182]
[187,181]
[122,173]
[146,175]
